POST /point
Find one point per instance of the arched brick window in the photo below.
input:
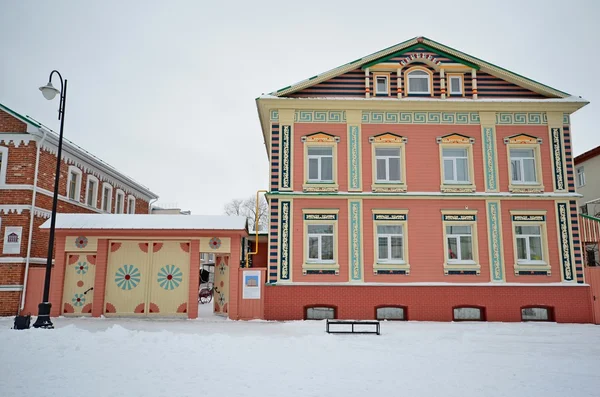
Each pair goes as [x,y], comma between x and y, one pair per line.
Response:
[468,313]
[397,313]
[537,313]
[320,312]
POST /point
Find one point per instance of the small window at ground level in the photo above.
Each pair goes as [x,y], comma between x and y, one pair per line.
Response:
[536,314]
[390,313]
[468,314]
[320,313]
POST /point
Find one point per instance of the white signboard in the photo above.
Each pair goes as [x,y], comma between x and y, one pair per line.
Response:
[12,240]
[251,287]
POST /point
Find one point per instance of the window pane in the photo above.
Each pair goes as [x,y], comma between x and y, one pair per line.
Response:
[529,170]
[394,163]
[390,313]
[452,248]
[327,248]
[521,249]
[455,85]
[417,73]
[313,248]
[467,313]
[387,152]
[448,170]
[381,170]
[458,229]
[389,229]
[466,248]
[320,313]
[535,313]
[320,229]
[516,170]
[535,230]
[381,84]
[454,152]
[535,246]
[313,169]
[382,244]
[418,84]
[320,151]
[326,168]
[520,153]
[462,170]
[397,246]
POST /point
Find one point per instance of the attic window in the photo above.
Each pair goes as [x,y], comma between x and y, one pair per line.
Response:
[381,85]
[418,82]
[456,85]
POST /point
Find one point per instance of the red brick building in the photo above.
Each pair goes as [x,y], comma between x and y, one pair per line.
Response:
[422,183]
[27,171]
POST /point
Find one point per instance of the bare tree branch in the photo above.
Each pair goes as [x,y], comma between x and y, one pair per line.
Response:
[247,208]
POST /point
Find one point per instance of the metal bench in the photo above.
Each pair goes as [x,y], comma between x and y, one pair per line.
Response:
[348,327]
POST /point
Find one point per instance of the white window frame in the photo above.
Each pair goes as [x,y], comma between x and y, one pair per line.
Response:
[386,77]
[580,176]
[454,159]
[427,76]
[108,205]
[79,175]
[522,181]
[458,77]
[387,165]
[312,264]
[459,259]
[94,193]
[320,241]
[4,164]
[389,236]
[120,193]
[130,199]
[527,237]
[319,158]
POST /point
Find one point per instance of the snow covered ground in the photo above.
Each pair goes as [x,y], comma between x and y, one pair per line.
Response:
[217,357]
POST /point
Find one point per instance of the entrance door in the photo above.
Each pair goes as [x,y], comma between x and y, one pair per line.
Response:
[147,278]
[78,292]
[221,296]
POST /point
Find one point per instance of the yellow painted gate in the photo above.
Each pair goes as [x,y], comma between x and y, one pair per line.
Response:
[221,292]
[78,292]
[147,278]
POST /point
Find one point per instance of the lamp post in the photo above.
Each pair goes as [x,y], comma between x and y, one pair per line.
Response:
[49,92]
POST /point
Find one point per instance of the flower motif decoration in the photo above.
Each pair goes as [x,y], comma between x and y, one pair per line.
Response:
[81,267]
[78,300]
[222,268]
[221,299]
[169,277]
[81,242]
[214,243]
[127,277]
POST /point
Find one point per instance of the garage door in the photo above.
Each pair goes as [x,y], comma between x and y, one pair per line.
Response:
[147,278]
[78,293]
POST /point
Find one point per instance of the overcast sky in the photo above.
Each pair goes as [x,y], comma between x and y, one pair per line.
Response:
[164,91]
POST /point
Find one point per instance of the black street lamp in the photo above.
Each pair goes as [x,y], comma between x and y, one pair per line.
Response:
[49,92]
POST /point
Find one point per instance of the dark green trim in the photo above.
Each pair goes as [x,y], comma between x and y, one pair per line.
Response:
[314,77]
[590,217]
[420,45]
[24,119]
[496,66]
[284,88]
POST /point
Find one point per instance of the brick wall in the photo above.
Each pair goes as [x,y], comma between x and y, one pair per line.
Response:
[570,304]
[21,162]
[9,123]
[9,302]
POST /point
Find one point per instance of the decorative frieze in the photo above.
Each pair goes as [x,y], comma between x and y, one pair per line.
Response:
[495,241]
[320,217]
[355,241]
[377,117]
[557,159]
[320,116]
[286,157]
[489,155]
[354,157]
[390,217]
[534,118]
[564,236]
[459,218]
[285,241]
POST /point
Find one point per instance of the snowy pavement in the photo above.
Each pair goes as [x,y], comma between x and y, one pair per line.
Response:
[216,357]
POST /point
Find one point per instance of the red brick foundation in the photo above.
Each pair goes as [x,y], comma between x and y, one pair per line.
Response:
[571,304]
[9,302]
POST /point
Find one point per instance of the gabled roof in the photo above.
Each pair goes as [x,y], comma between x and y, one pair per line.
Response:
[590,154]
[432,45]
[147,222]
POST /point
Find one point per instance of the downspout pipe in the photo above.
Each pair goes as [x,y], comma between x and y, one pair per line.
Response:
[255,251]
[31,217]
[150,205]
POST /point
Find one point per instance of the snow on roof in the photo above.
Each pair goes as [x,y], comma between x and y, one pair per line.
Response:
[147,222]
[571,98]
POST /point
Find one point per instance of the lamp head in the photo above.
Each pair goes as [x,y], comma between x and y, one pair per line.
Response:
[49,91]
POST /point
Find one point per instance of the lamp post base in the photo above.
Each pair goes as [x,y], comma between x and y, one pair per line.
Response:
[43,318]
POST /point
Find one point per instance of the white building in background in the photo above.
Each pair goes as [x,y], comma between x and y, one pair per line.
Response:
[587,180]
